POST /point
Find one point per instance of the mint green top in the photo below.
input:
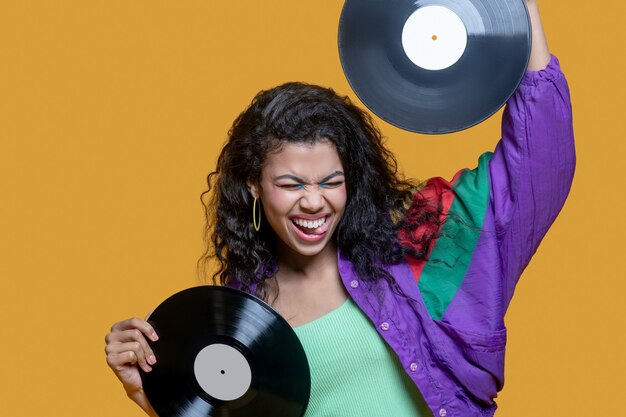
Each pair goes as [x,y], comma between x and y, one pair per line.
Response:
[353,371]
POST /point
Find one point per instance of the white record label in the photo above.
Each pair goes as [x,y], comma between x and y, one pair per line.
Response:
[222,372]
[434,37]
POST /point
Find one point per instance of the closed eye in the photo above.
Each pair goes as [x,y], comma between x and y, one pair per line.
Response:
[292,186]
[333,184]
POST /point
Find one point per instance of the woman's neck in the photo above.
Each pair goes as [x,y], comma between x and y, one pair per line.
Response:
[295,266]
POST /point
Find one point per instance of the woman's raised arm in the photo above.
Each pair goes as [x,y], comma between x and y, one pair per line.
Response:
[532,168]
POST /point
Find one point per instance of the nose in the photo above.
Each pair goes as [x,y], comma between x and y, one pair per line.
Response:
[312,200]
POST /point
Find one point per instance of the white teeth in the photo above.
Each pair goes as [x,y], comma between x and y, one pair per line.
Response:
[310,224]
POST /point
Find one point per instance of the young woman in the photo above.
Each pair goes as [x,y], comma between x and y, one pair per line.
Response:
[397,291]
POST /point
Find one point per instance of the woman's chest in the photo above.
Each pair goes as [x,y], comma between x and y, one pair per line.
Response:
[353,370]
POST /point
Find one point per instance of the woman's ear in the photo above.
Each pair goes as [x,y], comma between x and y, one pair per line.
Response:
[253,188]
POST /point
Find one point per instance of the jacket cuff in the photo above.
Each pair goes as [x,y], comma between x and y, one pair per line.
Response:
[549,73]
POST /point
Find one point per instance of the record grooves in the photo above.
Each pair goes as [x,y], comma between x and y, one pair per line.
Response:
[222,352]
[434,66]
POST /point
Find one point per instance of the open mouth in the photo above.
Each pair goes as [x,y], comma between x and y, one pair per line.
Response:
[311,229]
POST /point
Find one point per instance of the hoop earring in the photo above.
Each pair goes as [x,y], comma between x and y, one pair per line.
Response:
[257,224]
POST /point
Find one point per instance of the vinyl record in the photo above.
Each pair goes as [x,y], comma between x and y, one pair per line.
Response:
[434,66]
[222,352]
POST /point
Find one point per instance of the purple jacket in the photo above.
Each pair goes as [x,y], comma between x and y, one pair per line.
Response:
[450,334]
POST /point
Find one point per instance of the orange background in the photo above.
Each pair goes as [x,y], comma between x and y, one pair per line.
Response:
[113,112]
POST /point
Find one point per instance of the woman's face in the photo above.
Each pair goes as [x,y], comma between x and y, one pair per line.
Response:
[303,195]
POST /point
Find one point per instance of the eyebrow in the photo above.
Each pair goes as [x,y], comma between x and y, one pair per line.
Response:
[298,179]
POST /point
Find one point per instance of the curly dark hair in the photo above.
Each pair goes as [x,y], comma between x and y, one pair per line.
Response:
[383,214]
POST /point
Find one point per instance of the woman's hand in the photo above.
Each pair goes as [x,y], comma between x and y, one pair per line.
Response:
[127,349]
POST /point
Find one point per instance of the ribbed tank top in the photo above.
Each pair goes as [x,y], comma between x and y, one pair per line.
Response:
[353,371]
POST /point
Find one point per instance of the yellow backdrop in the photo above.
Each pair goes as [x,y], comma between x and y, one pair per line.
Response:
[113,112]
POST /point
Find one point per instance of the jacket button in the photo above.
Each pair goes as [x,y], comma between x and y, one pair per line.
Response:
[443,412]
[354,283]
[413,367]
[384,326]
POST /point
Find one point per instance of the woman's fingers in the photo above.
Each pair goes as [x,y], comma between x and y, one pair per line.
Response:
[136,323]
[126,345]
[132,335]
[126,354]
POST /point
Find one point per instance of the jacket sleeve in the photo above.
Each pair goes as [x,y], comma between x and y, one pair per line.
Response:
[532,168]
[498,212]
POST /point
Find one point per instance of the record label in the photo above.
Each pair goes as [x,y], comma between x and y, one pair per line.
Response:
[222,372]
[434,37]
